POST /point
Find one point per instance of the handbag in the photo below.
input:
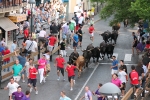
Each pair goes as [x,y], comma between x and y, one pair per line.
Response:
[27,50]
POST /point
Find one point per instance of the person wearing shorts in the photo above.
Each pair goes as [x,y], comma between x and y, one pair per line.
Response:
[91,32]
[52,42]
[16,70]
[80,34]
[71,74]
[59,63]
[32,78]
[75,41]
[114,66]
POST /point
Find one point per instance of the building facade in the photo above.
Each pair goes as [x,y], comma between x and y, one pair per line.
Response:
[8,21]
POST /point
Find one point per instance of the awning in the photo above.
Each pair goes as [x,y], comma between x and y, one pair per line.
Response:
[7,24]
[17,17]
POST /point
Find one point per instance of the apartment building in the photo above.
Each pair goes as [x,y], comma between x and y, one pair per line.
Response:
[8,20]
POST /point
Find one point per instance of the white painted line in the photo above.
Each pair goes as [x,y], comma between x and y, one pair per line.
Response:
[115,54]
[128,57]
[73,49]
[111,63]
[76,98]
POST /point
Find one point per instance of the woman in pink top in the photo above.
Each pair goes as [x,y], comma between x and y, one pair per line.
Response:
[116,80]
[41,68]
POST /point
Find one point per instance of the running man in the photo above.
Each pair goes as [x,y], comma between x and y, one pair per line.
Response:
[32,79]
[80,34]
[71,74]
[135,42]
[75,41]
[91,32]
[59,63]
[12,86]
[52,42]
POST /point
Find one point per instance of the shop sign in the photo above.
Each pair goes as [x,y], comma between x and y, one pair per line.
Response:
[18,18]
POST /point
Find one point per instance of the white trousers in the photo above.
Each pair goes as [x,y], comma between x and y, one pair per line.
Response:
[63,52]
[41,73]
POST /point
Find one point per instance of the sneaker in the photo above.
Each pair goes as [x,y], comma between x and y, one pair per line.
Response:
[71,89]
[74,82]
[64,79]
[58,79]
[23,81]
[31,89]
[36,92]
[44,81]
[135,94]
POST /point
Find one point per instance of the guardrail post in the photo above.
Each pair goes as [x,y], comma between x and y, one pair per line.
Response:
[0,70]
[132,95]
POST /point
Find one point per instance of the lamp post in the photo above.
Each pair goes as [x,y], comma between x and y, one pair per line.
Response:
[31,2]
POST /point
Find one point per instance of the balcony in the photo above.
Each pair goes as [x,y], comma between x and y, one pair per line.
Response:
[7,6]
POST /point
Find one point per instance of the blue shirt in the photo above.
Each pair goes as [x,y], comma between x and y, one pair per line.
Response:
[13,47]
[22,60]
[25,98]
[64,98]
[75,37]
[114,63]
[98,93]
[2,49]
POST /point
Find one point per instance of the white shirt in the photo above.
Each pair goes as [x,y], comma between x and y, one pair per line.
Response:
[80,20]
[47,57]
[145,70]
[42,33]
[76,9]
[34,46]
[38,26]
[3,42]
[78,14]
[28,43]
[12,87]
[122,76]
[13,47]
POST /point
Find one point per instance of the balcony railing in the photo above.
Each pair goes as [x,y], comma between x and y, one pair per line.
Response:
[10,5]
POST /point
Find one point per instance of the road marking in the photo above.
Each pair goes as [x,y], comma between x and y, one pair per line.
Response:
[111,63]
[76,98]
[128,57]
[115,54]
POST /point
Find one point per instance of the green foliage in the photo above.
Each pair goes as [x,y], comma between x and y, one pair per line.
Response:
[133,10]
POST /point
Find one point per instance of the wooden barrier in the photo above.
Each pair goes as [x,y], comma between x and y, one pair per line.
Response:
[130,91]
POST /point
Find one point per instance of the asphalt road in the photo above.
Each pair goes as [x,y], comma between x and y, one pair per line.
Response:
[96,73]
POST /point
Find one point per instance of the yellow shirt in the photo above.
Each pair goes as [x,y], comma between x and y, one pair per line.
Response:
[92,9]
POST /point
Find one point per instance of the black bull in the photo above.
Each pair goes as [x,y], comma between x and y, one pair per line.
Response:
[106,49]
[91,52]
[107,35]
[73,57]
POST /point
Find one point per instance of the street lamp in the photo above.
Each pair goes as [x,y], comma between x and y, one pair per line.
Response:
[31,2]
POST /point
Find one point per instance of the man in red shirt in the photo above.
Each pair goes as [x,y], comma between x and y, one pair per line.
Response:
[71,74]
[59,62]
[52,41]
[7,60]
[134,77]
[91,32]
[26,33]
[32,79]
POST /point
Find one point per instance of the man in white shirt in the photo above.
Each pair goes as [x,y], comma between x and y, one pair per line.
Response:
[12,86]
[3,42]
[29,45]
[42,35]
[14,46]
[122,75]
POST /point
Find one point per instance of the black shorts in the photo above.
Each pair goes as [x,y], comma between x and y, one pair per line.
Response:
[69,78]
[80,39]
[32,81]
[60,69]
[136,86]
[75,44]
[134,45]
[124,86]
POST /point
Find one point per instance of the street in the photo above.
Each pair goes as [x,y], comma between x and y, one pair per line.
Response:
[96,73]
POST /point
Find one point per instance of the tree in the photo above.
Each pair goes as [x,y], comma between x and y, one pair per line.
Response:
[119,10]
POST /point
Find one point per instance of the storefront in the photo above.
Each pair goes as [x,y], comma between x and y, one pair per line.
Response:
[6,25]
